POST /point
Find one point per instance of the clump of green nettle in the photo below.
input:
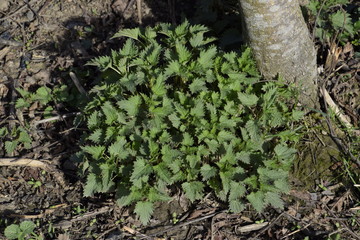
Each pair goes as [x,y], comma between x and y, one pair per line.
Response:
[174,110]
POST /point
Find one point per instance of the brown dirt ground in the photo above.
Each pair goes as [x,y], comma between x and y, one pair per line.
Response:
[41,42]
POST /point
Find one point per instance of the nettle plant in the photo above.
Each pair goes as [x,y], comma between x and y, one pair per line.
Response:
[173,111]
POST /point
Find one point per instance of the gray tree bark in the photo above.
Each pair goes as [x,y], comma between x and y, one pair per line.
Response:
[281,43]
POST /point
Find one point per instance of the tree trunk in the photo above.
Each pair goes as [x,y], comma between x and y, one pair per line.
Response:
[281,43]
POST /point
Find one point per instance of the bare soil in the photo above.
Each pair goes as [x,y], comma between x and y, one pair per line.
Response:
[41,41]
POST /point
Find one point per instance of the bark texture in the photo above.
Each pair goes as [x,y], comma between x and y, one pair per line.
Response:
[278,35]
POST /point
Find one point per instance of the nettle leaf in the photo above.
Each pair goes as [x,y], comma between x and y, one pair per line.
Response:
[237,190]
[208,171]
[131,33]
[297,115]
[159,88]
[206,57]
[129,48]
[141,168]
[10,146]
[13,231]
[274,200]
[152,54]
[175,120]
[342,19]
[163,172]
[21,103]
[187,139]
[193,190]
[96,152]
[93,120]
[183,53]
[225,136]
[131,106]
[155,195]
[282,185]
[257,200]
[103,63]
[118,148]
[198,110]
[198,85]
[248,99]
[243,156]
[236,206]
[212,144]
[253,130]
[173,68]
[110,113]
[144,210]
[92,185]
[197,40]
[106,177]
[284,152]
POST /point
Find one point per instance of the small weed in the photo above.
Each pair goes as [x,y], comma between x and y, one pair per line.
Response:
[22,231]
[34,183]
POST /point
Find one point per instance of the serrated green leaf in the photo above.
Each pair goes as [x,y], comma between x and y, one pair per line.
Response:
[236,206]
[237,191]
[342,19]
[206,58]
[42,94]
[3,132]
[282,185]
[257,200]
[110,133]
[159,88]
[198,85]
[225,181]
[110,113]
[96,136]
[284,152]
[248,99]
[243,156]
[197,40]
[212,144]
[155,195]
[208,171]
[141,168]
[193,190]
[132,105]
[117,149]
[23,92]
[106,177]
[153,54]
[253,130]
[21,103]
[103,63]
[173,68]
[183,53]
[144,210]
[297,115]
[10,146]
[187,139]
[274,200]
[95,151]
[93,120]
[124,196]
[129,48]
[164,174]
[131,33]
[198,109]
[225,136]
[92,185]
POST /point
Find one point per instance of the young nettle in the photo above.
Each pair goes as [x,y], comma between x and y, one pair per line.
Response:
[174,110]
